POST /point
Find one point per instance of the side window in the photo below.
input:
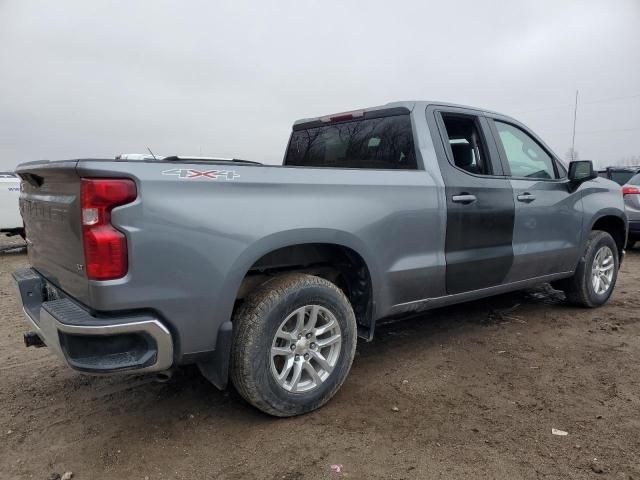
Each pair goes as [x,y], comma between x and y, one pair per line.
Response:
[467,144]
[376,143]
[525,157]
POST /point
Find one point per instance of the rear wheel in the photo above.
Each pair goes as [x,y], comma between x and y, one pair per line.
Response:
[294,342]
[597,272]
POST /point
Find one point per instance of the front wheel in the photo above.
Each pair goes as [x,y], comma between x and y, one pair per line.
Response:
[294,342]
[593,281]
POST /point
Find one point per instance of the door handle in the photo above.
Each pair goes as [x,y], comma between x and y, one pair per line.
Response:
[526,197]
[465,199]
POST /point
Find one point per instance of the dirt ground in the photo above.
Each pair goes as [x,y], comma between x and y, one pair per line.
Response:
[471,391]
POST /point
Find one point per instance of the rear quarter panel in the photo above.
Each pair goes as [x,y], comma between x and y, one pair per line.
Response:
[191,241]
[632,205]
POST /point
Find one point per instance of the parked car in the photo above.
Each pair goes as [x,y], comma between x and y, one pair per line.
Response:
[631,194]
[268,274]
[620,175]
[10,219]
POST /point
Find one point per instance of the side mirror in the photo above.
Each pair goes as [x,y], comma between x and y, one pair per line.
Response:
[581,171]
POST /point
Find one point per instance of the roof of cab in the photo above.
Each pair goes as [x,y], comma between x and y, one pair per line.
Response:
[410,105]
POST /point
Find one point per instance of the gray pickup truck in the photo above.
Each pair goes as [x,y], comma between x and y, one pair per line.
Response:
[267,275]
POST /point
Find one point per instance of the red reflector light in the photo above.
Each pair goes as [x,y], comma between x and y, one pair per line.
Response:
[340,117]
[630,190]
[105,247]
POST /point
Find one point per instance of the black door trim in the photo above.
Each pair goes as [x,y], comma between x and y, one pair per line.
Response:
[479,234]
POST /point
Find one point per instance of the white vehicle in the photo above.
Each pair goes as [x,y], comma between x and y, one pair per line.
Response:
[10,219]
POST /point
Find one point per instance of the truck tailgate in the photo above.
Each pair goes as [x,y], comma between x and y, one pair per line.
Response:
[50,207]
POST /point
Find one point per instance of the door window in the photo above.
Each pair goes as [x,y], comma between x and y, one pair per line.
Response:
[526,158]
[468,150]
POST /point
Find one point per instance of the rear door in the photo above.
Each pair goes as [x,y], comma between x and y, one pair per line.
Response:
[479,199]
[548,213]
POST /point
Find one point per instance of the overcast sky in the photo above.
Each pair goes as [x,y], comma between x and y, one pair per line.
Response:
[97,78]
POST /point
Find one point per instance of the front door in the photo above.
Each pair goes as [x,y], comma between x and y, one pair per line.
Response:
[548,214]
[479,201]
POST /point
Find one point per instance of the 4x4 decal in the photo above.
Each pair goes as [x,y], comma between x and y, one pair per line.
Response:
[190,173]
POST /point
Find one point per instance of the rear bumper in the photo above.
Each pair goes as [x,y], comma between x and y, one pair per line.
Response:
[124,343]
[634,228]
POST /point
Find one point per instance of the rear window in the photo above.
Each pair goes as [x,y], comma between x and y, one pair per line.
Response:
[379,143]
[621,177]
[635,180]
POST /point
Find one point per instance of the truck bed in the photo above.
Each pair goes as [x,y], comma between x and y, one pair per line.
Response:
[196,228]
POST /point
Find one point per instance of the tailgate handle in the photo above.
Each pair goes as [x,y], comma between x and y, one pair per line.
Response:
[33,179]
[464,198]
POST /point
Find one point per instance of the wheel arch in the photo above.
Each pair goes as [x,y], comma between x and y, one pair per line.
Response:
[301,248]
[615,224]
[266,254]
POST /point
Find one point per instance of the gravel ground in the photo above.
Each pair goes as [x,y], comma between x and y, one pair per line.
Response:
[470,391]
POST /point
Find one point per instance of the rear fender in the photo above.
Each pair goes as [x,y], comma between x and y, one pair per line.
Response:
[290,238]
[216,368]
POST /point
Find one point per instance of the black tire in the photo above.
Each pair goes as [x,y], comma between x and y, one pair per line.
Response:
[255,324]
[579,288]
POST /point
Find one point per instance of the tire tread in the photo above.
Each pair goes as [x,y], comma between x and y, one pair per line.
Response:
[576,287]
[247,321]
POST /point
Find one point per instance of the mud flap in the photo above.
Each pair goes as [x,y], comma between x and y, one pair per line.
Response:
[216,369]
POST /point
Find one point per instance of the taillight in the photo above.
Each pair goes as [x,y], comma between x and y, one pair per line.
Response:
[627,190]
[105,248]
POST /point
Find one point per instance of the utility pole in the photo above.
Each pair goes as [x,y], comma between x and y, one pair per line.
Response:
[573,137]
